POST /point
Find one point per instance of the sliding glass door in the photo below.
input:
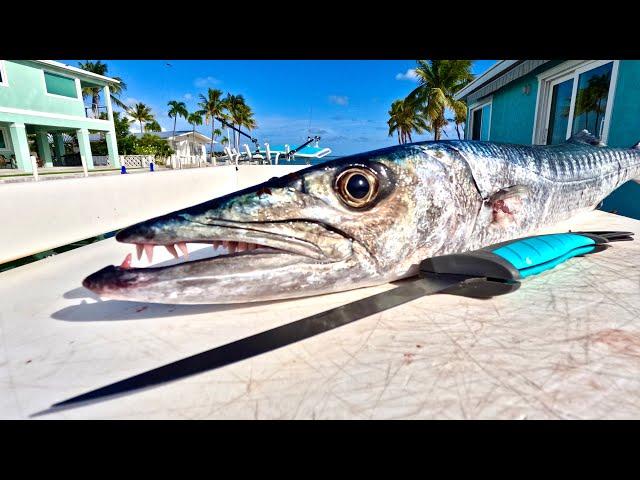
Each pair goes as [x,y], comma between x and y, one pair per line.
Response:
[591,100]
[559,110]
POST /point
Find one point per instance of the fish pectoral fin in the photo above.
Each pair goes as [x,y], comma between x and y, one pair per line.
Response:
[506,203]
[586,138]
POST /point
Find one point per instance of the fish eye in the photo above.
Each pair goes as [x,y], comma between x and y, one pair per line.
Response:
[357,186]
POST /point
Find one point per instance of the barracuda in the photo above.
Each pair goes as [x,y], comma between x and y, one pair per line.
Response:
[366,219]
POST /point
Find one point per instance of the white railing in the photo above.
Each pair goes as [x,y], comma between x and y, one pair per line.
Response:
[137,161]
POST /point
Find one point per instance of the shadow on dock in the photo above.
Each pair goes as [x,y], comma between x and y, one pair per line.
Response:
[109,310]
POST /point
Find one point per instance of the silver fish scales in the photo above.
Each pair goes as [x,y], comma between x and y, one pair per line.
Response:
[367,219]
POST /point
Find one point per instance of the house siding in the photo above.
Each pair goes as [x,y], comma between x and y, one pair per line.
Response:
[624,130]
[513,112]
[27,91]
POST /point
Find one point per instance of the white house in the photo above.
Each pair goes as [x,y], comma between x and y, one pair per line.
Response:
[190,147]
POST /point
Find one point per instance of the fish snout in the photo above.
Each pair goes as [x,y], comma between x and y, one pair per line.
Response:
[139,233]
[109,279]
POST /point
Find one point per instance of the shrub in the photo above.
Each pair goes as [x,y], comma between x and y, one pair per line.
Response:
[152,145]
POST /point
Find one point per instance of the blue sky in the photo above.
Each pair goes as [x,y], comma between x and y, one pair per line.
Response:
[344,101]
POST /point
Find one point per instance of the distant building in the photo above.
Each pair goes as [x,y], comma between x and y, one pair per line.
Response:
[190,147]
[44,98]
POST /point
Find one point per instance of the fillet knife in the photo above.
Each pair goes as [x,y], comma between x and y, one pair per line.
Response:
[484,273]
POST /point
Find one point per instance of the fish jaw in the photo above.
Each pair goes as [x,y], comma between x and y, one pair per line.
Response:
[282,257]
[235,278]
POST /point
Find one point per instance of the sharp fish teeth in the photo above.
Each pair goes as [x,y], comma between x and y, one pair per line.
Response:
[183,248]
[148,249]
[232,247]
[127,262]
[242,246]
[172,250]
[139,248]
[215,244]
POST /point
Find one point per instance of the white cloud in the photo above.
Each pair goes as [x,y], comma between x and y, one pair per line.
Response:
[131,101]
[202,82]
[339,99]
[188,96]
[410,74]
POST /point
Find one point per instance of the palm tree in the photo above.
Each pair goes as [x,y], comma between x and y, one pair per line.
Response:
[234,105]
[458,119]
[245,118]
[94,92]
[176,109]
[439,81]
[405,118]
[152,126]
[212,107]
[141,113]
[216,133]
[194,119]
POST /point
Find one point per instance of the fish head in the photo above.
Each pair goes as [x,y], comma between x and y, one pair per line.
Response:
[356,221]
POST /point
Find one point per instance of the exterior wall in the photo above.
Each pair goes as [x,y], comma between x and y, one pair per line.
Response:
[513,111]
[624,130]
[26,90]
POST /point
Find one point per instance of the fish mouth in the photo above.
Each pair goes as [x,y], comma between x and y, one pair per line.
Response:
[247,247]
[301,237]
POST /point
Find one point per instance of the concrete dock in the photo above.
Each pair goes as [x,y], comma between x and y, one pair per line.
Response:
[565,345]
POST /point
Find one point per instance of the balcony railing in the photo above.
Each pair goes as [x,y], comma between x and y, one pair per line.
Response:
[99,113]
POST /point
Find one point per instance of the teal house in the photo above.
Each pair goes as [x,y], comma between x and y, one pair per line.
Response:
[42,112]
[544,102]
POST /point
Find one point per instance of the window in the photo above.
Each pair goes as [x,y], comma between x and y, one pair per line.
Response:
[575,96]
[480,118]
[3,143]
[60,85]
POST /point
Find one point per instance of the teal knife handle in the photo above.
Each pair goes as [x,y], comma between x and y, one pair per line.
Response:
[534,255]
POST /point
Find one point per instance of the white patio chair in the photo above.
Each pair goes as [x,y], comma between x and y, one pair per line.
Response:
[251,156]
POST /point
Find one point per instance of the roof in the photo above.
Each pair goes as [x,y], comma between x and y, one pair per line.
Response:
[77,71]
[179,133]
[492,72]
[95,137]
[496,77]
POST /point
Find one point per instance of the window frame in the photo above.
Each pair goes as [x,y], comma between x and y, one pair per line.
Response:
[479,106]
[8,147]
[4,81]
[569,70]
[76,81]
